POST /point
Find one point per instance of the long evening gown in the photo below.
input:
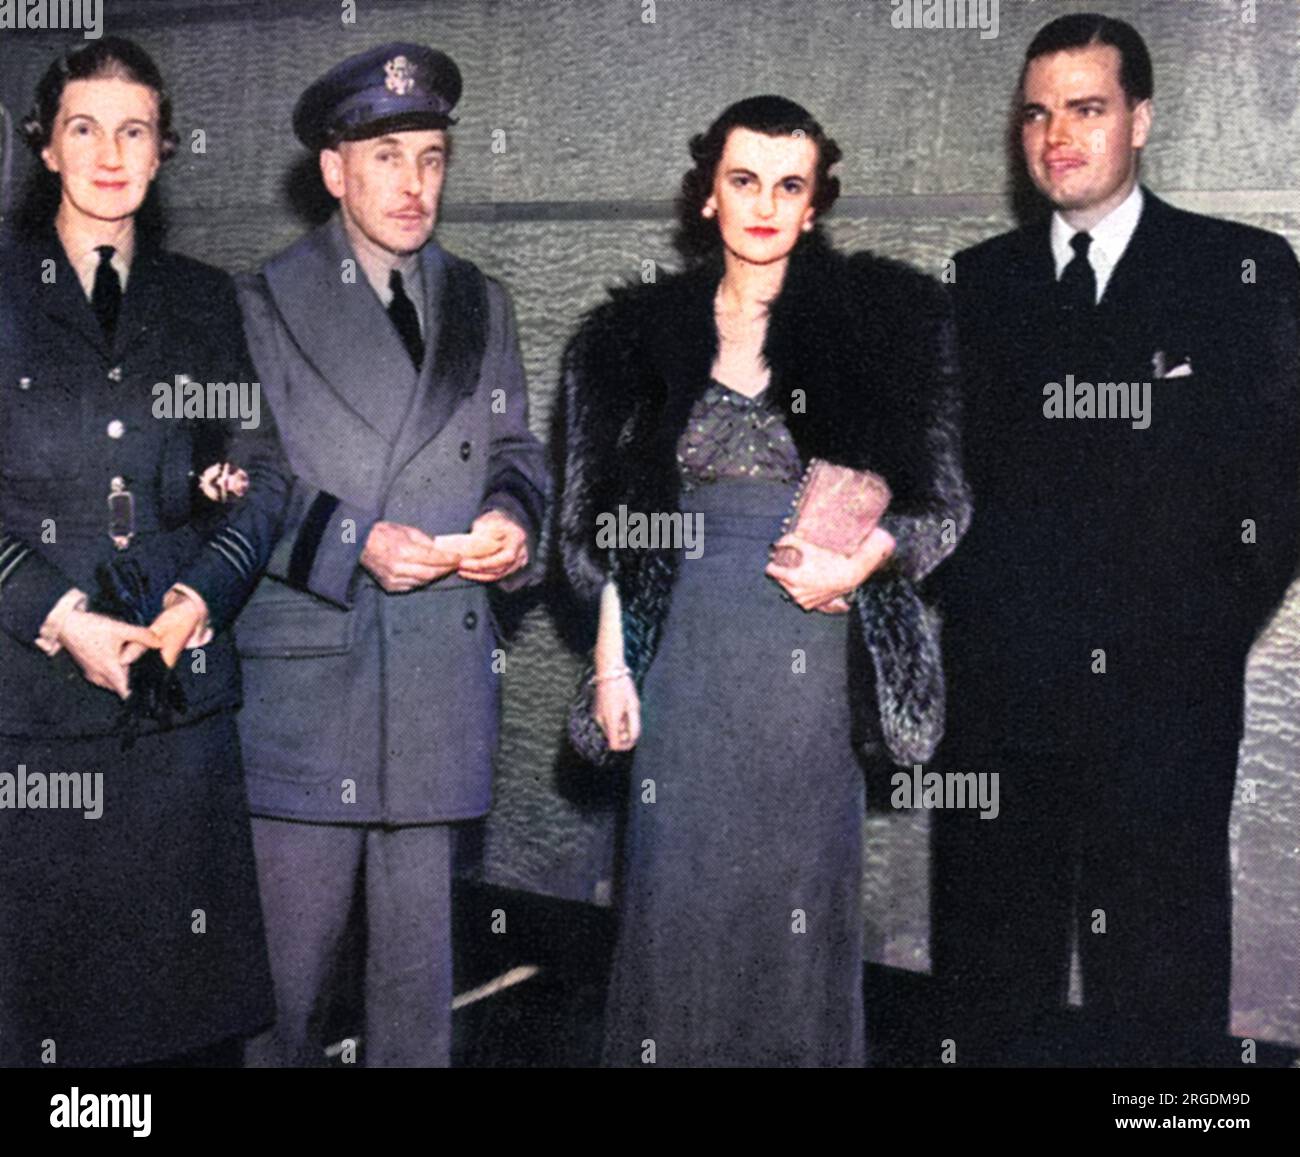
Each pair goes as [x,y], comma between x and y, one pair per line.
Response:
[740,938]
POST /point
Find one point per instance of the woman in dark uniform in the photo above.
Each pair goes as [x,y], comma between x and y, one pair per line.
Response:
[130,930]
[708,394]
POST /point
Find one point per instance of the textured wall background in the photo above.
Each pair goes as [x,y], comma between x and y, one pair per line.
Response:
[596,105]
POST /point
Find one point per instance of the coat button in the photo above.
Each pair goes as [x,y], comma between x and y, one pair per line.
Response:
[117,482]
[116,428]
[464,451]
[24,383]
[471,620]
[115,374]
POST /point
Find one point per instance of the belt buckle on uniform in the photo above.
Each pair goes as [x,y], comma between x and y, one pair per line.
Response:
[121,514]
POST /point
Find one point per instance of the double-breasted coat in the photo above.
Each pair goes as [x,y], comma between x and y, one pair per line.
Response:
[363,706]
[135,934]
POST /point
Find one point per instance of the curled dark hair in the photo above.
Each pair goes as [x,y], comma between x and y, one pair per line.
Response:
[775,116]
[113,56]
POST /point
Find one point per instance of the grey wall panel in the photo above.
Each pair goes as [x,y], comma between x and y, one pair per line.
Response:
[594,104]
[1266,839]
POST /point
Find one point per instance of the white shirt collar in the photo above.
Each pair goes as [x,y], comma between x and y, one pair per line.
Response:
[85,263]
[378,264]
[1110,238]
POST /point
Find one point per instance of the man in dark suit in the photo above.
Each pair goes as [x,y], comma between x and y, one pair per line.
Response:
[371,662]
[1132,443]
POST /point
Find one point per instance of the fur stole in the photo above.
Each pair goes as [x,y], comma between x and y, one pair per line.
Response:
[861,356]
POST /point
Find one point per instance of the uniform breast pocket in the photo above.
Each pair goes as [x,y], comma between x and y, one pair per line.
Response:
[41,429]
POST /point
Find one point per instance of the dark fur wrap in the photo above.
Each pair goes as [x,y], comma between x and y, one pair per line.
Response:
[869,342]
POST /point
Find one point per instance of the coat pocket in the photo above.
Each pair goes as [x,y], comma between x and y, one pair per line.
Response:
[280,623]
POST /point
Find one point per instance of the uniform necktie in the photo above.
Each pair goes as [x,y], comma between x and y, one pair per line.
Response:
[106,296]
[1079,281]
[402,312]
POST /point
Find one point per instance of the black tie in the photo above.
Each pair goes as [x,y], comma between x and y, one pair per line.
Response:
[106,296]
[1078,285]
[402,312]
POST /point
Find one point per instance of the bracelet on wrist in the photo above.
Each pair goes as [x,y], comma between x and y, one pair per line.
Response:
[610,676]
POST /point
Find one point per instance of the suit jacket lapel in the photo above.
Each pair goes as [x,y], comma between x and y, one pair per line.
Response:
[342,329]
[1053,340]
[1131,280]
[1033,268]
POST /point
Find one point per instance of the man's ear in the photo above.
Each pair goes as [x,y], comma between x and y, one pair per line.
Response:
[331,172]
[1143,114]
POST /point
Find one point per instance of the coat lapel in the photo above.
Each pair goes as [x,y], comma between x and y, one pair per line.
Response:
[1131,280]
[1135,321]
[1035,326]
[342,330]
[1032,270]
[62,300]
[455,328]
[143,302]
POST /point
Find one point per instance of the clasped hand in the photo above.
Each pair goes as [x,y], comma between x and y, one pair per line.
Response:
[104,648]
[404,558]
[824,578]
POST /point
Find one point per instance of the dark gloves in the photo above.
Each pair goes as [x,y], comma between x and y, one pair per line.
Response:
[124,592]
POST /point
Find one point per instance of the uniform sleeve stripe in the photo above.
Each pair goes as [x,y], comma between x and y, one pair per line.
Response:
[238,564]
[243,538]
[229,540]
[8,552]
[23,552]
[309,538]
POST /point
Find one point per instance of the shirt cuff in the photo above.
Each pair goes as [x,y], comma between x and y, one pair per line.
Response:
[203,633]
[48,639]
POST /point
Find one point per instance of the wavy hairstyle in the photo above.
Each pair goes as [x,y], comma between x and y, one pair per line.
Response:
[113,56]
[698,238]
[110,57]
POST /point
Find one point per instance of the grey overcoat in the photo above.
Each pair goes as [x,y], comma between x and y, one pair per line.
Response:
[362,706]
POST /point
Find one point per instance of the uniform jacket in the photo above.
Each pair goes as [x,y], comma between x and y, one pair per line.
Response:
[1165,547]
[861,356]
[75,413]
[363,706]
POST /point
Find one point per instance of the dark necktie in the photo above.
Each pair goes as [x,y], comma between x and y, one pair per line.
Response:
[402,312]
[1078,285]
[106,296]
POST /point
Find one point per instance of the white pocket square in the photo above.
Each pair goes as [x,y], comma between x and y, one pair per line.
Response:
[1182,370]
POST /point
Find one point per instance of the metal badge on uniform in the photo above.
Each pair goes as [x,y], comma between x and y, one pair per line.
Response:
[121,514]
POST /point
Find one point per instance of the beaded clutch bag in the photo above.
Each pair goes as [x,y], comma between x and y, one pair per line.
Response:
[836,508]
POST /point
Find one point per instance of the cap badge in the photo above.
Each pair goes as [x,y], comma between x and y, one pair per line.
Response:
[399,75]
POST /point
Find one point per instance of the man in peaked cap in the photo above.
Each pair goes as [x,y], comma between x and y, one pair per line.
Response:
[371,662]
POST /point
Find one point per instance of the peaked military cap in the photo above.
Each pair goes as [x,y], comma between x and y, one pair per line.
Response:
[388,88]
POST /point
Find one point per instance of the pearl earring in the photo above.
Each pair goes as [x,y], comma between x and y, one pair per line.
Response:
[707,211]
